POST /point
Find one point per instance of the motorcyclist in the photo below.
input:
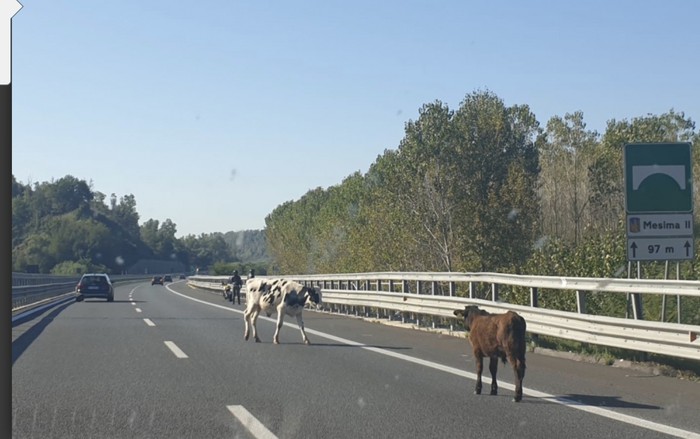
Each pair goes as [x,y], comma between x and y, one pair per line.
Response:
[237,282]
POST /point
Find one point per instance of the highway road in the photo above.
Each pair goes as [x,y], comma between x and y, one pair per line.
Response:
[170,362]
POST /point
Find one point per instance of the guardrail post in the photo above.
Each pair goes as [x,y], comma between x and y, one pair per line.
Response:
[637,306]
[533,297]
[581,302]
[452,288]
[471,290]
[494,292]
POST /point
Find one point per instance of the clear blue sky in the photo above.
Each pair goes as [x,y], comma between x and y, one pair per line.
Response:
[214,112]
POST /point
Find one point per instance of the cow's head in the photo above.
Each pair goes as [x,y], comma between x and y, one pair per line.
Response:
[314,295]
[468,314]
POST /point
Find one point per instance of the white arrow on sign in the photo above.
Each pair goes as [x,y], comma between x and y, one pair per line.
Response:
[8,9]
[660,248]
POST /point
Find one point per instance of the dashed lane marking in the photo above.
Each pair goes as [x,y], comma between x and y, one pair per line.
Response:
[250,422]
[176,350]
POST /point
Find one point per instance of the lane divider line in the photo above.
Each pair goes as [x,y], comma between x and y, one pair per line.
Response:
[250,422]
[149,322]
[176,350]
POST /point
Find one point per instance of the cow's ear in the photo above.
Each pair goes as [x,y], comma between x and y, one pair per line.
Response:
[459,313]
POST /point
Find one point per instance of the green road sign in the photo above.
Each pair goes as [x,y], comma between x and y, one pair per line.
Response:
[658,178]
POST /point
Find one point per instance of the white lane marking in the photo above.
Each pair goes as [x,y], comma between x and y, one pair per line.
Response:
[133,303]
[149,322]
[137,309]
[176,350]
[640,422]
[255,427]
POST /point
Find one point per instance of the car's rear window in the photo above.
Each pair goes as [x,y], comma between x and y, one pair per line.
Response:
[94,280]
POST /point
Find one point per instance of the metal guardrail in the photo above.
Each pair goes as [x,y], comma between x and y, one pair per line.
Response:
[27,295]
[392,292]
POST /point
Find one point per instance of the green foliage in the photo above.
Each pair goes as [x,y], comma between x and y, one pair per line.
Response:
[227,269]
[71,268]
[247,245]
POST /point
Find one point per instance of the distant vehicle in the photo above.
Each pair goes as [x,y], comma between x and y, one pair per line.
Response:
[157,280]
[167,278]
[182,276]
[94,285]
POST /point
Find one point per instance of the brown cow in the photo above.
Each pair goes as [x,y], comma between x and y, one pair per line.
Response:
[496,336]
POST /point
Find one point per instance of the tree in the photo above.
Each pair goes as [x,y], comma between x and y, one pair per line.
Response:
[498,159]
[68,194]
[425,183]
[566,194]
[124,213]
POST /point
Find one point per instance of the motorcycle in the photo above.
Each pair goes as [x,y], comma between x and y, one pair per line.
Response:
[227,292]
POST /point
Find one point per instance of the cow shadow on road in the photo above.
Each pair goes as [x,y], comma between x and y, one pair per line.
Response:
[602,401]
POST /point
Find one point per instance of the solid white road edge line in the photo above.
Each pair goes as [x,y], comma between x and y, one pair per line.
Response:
[639,422]
[176,350]
[250,422]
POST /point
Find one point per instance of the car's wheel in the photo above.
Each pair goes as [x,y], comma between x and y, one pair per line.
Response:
[110,299]
[79,299]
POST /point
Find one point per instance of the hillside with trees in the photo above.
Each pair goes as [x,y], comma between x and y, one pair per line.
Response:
[64,227]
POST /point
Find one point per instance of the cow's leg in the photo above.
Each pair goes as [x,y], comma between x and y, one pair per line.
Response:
[493,368]
[280,321]
[246,316]
[300,322]
[479,368]
[519,372]
[254,320]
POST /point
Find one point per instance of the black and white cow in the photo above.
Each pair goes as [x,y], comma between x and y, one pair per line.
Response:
[279,296]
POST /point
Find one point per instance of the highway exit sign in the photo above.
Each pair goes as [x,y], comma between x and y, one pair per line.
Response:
[658,178]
